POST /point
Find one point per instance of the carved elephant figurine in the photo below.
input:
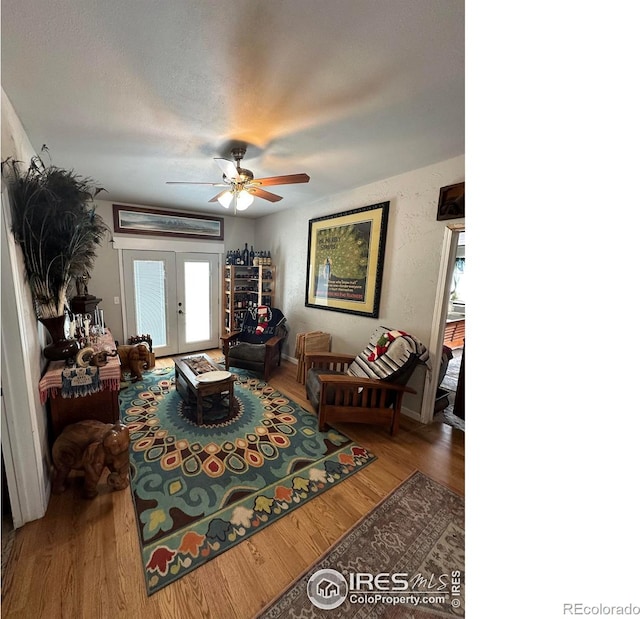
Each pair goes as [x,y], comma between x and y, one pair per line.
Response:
[134,359]
[91,446]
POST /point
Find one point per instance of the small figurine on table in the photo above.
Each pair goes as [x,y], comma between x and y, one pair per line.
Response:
[82,285]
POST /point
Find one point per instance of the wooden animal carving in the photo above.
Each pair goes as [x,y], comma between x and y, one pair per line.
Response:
[91,446]
[134,360]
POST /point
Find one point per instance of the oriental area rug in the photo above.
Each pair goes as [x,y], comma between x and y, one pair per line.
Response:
[199,490]
[413,538]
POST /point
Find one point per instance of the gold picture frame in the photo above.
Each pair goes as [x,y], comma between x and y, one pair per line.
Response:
[345,259]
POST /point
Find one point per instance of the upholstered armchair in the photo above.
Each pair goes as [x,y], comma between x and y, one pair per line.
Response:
[258,344]
[369,387]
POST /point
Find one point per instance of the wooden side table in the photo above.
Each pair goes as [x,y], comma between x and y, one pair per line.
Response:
[102,406]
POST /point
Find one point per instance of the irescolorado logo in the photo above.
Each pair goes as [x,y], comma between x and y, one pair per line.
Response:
[327,589]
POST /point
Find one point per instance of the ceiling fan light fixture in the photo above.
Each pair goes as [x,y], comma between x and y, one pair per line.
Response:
[244,200]
[241,185]
[226,198]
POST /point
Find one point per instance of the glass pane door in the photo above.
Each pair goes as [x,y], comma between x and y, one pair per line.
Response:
[151,299]
[174,298]
[197,294]
[198,301]
[150,293]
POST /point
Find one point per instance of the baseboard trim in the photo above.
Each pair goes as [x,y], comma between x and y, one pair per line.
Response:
[411,414]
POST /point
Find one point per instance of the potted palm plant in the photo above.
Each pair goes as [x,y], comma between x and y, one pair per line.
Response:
[55,223]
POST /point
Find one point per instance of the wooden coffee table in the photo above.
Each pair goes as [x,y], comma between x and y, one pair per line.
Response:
[191,389]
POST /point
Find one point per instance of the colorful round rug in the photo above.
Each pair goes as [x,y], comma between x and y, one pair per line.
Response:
[199,490]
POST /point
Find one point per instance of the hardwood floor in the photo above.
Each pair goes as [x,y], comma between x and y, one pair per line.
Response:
[83,558]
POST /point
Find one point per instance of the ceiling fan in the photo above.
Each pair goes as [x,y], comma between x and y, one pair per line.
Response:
[240,186]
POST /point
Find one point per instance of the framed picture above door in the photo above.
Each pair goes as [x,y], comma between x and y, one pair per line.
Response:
[136,220]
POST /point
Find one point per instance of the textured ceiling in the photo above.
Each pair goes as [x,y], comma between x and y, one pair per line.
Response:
[136,93]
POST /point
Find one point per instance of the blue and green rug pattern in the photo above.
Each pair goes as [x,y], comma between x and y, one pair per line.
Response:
[199,490]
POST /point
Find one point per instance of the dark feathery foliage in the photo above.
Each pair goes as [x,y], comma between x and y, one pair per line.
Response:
[55,223]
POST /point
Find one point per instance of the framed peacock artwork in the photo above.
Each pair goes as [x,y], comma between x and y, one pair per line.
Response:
[345,259]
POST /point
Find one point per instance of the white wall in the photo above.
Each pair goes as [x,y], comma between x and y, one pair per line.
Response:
[105,278]
[411,266]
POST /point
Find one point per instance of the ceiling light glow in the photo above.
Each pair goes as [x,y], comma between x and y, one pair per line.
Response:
[226,198]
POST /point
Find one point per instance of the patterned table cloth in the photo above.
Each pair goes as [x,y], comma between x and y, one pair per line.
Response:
[51,384]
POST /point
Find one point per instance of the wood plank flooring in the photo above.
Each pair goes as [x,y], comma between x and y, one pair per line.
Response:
[83,558]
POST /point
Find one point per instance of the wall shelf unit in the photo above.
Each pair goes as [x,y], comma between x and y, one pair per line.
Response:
[245,287]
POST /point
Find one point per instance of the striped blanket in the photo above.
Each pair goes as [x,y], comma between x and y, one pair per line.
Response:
[382,361]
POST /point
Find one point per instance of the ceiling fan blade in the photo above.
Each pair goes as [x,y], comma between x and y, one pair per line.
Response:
[228,168]
[194,183]
[287,179]
[261,193]
[215,198]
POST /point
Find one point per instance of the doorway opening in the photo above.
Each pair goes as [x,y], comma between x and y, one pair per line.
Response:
[454,338]
[448,325]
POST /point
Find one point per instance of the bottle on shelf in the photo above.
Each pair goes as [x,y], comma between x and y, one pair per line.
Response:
[246,288]
[251,256]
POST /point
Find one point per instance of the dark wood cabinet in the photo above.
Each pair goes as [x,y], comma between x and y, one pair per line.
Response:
[103,405]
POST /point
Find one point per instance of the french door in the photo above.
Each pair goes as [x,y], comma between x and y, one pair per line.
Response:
[174,298]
